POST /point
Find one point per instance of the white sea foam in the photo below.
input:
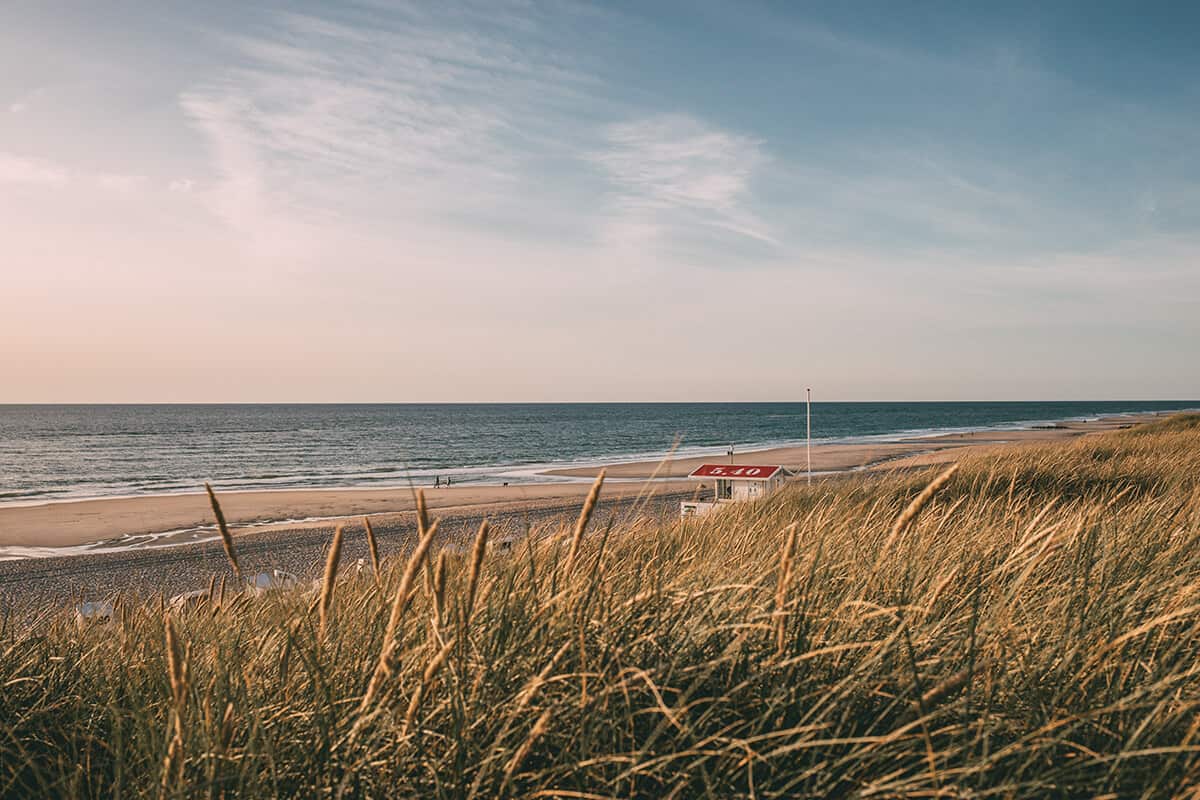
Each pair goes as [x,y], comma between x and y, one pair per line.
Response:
[475,475]
[142,541]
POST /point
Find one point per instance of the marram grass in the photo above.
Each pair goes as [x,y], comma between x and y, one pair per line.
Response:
[1029,628]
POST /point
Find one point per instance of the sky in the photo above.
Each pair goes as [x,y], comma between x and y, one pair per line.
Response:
[573,201]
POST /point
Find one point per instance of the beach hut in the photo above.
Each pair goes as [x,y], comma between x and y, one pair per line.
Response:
[734,483]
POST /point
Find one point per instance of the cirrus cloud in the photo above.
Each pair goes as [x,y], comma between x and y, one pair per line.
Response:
[671,171]
[36,171]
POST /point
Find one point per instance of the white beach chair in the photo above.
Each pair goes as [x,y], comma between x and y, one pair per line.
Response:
[94,612]
[185,600]
[275,580]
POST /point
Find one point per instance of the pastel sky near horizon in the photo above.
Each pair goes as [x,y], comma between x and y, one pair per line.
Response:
[556,201]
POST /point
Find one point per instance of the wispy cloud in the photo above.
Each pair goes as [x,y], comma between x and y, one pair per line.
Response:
[548,169]
[19,169]
[52,174]
[399,114]
[672,171]
[47,173]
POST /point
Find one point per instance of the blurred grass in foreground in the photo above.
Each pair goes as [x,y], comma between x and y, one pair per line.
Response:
[1031,628]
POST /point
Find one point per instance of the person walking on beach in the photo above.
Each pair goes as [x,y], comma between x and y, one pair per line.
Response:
[437,481]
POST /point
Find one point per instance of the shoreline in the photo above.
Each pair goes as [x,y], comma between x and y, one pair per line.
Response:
[40,588]
[531,472]
[846,457]
[154,521]
[108,524]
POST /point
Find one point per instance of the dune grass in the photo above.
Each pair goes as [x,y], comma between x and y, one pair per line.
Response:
[1030,626]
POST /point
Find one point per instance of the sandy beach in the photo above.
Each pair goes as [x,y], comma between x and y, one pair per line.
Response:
[67,524]
[35,586]
[185,517]
[842,457]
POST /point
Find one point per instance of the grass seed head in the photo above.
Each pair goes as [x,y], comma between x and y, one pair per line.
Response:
[329,579]
[226,538]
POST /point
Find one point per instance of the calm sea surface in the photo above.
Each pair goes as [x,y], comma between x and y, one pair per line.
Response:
[61,452]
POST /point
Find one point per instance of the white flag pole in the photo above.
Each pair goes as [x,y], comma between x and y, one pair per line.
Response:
[808,426]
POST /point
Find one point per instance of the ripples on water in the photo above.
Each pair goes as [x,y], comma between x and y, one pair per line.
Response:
[61,452]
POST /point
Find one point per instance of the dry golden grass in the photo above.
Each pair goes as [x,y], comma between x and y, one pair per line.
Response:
[478,552]
[372,548]
[329,581]
[585,516]
[172,772]
[1030,626]
[226,538]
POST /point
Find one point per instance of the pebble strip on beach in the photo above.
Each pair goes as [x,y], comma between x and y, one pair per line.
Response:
[40,588]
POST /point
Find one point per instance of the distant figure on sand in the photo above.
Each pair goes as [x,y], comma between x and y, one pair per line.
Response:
[437,481]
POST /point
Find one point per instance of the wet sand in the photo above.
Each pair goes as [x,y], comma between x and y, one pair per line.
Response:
[187,517]
[66,524]
[39,588]
[43,588]
[842,457]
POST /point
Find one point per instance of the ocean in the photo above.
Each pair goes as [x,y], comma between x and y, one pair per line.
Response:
[61,452]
